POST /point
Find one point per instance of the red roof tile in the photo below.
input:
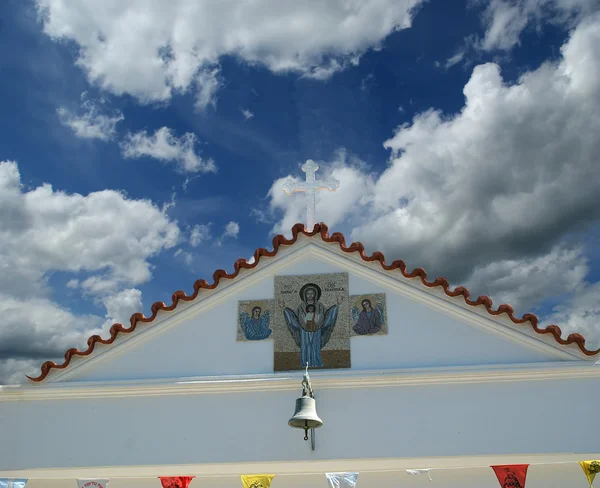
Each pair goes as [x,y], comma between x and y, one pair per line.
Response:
[322,231]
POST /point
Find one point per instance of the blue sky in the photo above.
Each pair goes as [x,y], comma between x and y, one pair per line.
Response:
[144,149]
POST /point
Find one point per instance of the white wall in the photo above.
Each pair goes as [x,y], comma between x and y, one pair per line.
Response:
[205,343]
[528,417]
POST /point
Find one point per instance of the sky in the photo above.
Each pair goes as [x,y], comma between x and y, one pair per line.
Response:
[143,145]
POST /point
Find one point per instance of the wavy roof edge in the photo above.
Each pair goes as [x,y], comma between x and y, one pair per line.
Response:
[280,240]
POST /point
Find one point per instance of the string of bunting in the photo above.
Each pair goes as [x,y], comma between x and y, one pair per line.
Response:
[509,476]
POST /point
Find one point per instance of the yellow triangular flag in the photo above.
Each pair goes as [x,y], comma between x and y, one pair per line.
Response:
[257,480]
[590,468]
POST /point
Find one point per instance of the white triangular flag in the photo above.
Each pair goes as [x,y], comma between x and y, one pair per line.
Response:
[420,471]
[342,480]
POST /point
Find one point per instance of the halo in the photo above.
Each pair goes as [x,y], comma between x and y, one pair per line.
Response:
[255,303]
[358,301]
[316,287]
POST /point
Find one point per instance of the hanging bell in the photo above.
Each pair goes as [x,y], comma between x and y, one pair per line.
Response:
[305,417]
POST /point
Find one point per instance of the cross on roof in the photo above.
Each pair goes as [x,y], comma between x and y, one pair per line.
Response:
[309,187]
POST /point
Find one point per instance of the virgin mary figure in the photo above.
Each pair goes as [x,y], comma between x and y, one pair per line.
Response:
[311,324]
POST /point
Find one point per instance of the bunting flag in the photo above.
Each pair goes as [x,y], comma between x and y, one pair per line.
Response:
[420,471]
[591,469]
[341,480]
[92,483]
[13,483]
[511,475]
[176,481]
[257,480]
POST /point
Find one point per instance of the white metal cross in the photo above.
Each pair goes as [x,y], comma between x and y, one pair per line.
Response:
[309,187]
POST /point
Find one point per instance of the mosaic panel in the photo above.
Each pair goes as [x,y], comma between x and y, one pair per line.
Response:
[311,323]
[311,320]
[255,319]
[369,314]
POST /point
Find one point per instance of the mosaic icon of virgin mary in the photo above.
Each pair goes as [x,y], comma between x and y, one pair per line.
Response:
[311,324]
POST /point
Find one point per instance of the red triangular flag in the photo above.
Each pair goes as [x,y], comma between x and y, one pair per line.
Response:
[176,481]
[511,475]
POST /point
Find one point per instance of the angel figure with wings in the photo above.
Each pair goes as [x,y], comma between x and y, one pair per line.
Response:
[311,325]
[369,320]
[256,327]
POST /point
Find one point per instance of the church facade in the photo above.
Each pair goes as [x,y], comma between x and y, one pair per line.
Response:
[413,381]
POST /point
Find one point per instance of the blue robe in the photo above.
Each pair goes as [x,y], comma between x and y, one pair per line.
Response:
[311,331]
[256,330]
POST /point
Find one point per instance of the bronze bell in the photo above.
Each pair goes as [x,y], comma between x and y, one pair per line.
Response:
[305,417]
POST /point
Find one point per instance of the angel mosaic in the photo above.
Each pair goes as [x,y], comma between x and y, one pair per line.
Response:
[368,318]
[257,325]
[311,324]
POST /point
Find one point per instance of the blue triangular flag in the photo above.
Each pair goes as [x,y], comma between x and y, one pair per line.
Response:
[13,482]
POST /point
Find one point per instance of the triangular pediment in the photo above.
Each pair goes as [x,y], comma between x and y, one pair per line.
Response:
[312,298]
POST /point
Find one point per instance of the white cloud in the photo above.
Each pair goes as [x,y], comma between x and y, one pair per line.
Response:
[93,122]
[489,194]
[530,280]
[505,20]
[152,51]
[247,114]
[581,313]
[188,258]
[199,233]
[232,229]
[453,60]
[165,146]
[13,370]
[73,283]
[207,84]
[121,306]
[103,234]
[36,329]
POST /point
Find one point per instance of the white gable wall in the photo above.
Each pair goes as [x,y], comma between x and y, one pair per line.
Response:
[204,342]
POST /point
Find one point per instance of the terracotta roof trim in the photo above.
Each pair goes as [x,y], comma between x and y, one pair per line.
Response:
[280,240]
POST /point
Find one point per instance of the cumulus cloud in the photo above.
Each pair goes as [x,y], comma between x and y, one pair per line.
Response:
[527,281]
[232,229]
[154,51]
[487,195]
[165,146]
[103,235]
[92,122]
